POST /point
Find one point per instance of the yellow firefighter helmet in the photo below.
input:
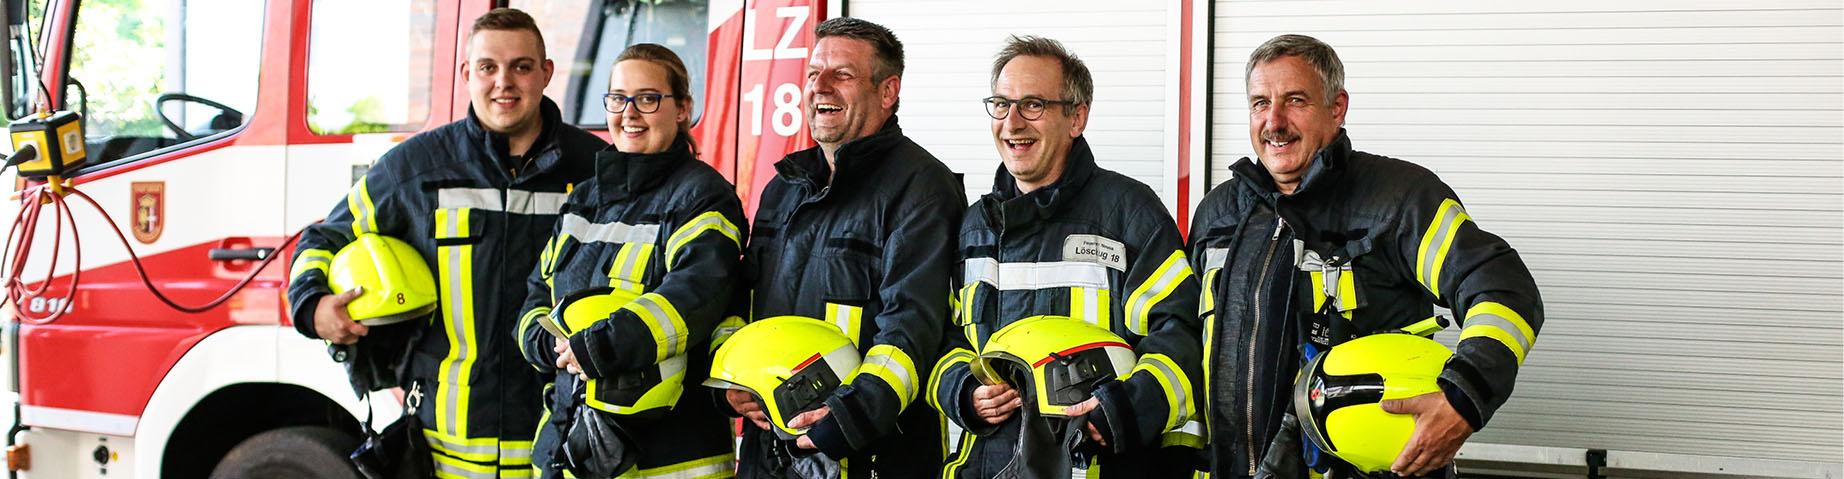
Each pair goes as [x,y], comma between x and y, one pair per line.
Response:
[1067,359]
[651,390]
[790,363]
[398,284]
[1338,395]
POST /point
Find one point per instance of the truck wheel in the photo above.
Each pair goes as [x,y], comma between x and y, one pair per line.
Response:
[290,452]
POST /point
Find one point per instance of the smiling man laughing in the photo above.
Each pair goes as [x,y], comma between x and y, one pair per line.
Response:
[856,232]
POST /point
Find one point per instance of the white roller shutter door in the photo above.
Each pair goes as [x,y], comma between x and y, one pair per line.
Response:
[1673,173]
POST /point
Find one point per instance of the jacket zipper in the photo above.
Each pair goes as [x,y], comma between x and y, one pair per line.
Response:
[1248,420]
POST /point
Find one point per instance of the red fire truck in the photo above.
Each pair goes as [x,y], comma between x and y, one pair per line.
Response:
[215,129]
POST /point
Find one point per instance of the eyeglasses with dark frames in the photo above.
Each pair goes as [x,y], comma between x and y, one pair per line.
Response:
[647,102]
[1031,108]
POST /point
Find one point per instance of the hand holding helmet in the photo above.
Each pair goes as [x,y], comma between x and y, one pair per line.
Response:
[789,365]
[1340,397]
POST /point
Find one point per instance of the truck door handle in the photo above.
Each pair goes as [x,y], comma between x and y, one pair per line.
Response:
[240,254]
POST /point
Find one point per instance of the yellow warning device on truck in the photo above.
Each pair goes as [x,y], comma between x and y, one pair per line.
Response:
[55,142]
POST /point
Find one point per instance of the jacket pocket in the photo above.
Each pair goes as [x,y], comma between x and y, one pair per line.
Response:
[848,265]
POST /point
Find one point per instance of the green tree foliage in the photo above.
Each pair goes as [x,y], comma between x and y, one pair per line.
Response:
[120,57]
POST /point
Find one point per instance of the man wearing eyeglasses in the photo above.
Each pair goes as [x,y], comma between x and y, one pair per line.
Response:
[857,232]
[1061,236]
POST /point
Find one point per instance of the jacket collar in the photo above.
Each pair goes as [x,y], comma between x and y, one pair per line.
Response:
[620,174]
[855,157]
[1017,210]
[1327,163]
[496,144]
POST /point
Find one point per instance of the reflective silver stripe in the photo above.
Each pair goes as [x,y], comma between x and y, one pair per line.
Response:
[1174,270]
[364,213]
[1192,427]
[715,466]
[842,317]
[444,470]
[585,231]
[1029,276]
[1179,391]
[1451,213]
[476,198]
[1215,258]
[708,221]
[890,364]
[459,448]
[516,201]
[662,319]
[534,202]
[311,259]
[457,308]
[1490,319]
[1091,306]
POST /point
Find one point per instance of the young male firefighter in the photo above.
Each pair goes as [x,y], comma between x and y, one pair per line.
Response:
[475,198]
[1314,244]
[636,277]
[1110,369]
[858,232]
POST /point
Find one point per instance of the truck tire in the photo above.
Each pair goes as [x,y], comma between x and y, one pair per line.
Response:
[290,452]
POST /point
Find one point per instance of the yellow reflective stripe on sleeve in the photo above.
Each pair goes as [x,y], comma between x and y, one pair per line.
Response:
[1496,321]
[709,221]
[629,271]
[1172,380]
[1161,284]
[364,213]
[663,321]
[1435,242]
[552,251]
[309,260]
[1190,435]
[456,272]
[710,467]
[525,323]
[956,356]
[847,318]
[894,367]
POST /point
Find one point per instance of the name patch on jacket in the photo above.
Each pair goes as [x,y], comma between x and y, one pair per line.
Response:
[1095,249]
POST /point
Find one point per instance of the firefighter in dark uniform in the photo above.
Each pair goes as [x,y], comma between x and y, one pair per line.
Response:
[660,227]
[857,232]
[475,197]
[1318,243]
[1061,236]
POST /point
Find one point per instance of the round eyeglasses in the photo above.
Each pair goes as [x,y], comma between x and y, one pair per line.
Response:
[1031,108]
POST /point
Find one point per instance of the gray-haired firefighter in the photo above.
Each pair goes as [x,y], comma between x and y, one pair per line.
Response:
[1093,249]
[1314,244]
